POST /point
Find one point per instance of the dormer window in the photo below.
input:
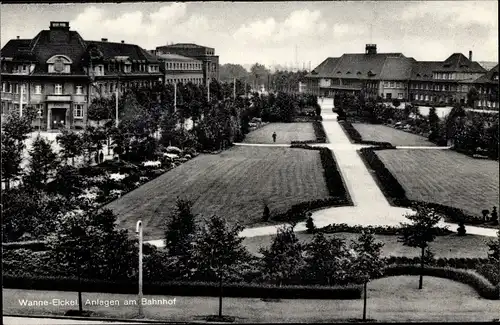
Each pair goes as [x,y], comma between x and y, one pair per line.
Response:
[127,68]
[358,73]
[418,75]
[338,72]
[59,64]
[153,68]
[348,72]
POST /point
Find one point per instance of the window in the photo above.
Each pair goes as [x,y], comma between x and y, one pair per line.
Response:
[427,97]
[386,84]
[79,90]
[4,87]
[388,96]
[58,89]
[127,68]
[78,111]
[400,95]
[5,108]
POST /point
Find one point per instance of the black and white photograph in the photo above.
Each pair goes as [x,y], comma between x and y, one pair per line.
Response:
[249,162]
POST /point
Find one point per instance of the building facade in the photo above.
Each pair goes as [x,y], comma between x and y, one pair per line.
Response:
[392,75]
[210,61]
[487,87]
[181,69]
[59,73]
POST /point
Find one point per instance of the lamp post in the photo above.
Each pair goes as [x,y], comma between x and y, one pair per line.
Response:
[138,230]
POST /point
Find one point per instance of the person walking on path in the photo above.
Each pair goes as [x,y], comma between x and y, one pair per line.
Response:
[101,157]
[274,137]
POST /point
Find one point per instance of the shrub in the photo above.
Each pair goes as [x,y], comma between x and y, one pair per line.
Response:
[379,230]
[483,287]
[311,227]
[461,229]
[183,288]
[298,211]
[319,132]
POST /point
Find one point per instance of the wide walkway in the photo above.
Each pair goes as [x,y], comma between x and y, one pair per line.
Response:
[370,205]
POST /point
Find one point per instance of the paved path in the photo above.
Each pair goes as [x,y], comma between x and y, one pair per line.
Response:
[370,205]
[7,320]
[423,147]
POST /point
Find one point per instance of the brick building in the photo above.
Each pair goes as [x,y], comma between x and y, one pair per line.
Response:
[210,61]
[60,73]
[392,75]
[181,69]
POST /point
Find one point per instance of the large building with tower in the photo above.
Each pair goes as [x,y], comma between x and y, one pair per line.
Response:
[393,75]
[58,73]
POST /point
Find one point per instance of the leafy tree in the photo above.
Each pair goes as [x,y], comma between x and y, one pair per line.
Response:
[86,243]
[228,71]
[367,262]
[433,124]
[472,97]
[180,235]
[494,245]
[101,108]
[283,260]
[218,252]
[67,182]
[42,163]
[259,75]
[324,259]
[420,232]
[71,145]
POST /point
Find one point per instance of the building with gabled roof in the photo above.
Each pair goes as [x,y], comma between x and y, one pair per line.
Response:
[393,75]
[58,73]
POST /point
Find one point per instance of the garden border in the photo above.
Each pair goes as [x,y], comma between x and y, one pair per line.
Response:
[319,133]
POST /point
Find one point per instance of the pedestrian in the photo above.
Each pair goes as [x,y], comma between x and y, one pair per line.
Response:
[101,157]
[274,136]
[494,215]
[96,158]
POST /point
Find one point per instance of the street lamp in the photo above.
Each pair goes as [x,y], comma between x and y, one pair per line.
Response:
[138,231]
[39,120]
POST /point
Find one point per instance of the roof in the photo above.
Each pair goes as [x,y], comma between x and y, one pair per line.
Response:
[110,50]
[388,66]
[183,45]
[175,57]
[423,70]
[458,62]
[489,77]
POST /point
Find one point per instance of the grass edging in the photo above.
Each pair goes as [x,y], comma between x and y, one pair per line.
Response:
[482,286]
[202,289]
[396,194]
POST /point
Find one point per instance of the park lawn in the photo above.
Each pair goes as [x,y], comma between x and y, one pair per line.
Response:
[389,299]
[233,184]
[285,133]
[451,246]
[382,133]
[445,177]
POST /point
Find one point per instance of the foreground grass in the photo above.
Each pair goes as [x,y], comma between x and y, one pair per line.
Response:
[445,177]
[443,246]
[286,133]
[389,299]
[382,133]
[233,184]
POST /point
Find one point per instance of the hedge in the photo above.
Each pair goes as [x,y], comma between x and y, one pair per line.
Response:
[379,230]
[458,262]
[34,245]
[298,211]
[392,189]
[206,289]
[483,287]
[319,132]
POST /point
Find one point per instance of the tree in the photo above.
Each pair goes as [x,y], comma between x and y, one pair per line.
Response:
[86,243]
[311,227]
[433,124]
[218,252]
[420,232]
[228,71]
[367,262]
[101,108]
[324,259]
[180,235]
[472,97]
[259,75]
[283,260]
[42,163]
[494,245]
[71,145]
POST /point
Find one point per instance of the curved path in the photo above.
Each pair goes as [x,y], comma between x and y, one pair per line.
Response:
[370,205]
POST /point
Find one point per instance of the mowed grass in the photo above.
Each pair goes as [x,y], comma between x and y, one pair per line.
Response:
[389,299]
[445,177]
[382,133]
[285,133]
[232,184]
[451,246]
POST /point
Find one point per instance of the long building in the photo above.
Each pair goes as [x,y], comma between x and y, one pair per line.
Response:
[210,61]
[393,75]
[59,73]
[181,69]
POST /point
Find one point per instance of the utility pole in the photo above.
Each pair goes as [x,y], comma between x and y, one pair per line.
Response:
[208,92]
[138,230]
[175,97]
[234,88]
[116,107]
[21,102]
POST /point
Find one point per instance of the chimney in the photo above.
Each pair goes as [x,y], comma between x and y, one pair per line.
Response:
[470,55]
[123,41]
[17,37]
[371,49]
[104,39]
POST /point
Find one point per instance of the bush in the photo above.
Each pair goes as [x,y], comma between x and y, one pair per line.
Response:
[266,214]
[182,288]
[356,137]
[311,228]
[379,230]
[461,229]
[459,263]
[483,287]
[319,132]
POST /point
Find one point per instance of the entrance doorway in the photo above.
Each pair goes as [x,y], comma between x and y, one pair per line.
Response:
[58,117]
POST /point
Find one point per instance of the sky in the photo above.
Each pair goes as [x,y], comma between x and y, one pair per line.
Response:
[285,33]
